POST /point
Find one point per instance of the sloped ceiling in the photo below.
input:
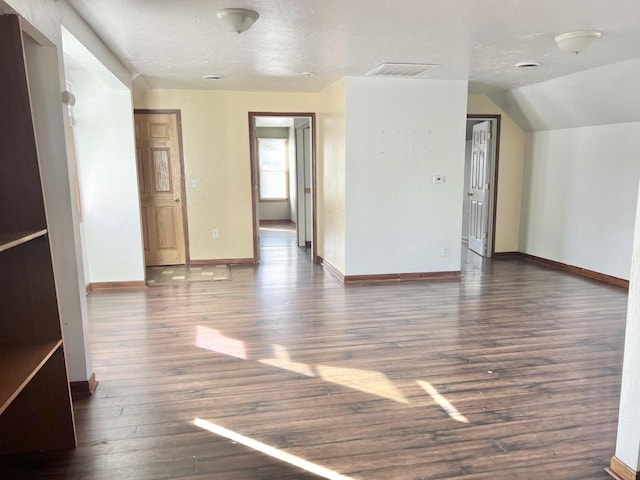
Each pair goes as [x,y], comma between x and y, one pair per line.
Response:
[599,96]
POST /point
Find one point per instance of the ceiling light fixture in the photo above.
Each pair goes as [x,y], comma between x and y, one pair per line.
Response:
[577,42]
[211,77]
[237,20]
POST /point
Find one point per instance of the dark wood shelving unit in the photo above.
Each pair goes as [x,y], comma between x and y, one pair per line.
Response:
[19,363]
[13,239]
[35,405]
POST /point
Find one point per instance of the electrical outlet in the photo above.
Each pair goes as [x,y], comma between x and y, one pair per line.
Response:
[445,251]
[214,233]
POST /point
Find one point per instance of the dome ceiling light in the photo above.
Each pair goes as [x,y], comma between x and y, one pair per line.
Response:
[237,20]
[577,42]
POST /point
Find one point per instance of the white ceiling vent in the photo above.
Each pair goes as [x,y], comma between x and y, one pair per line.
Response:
[389,69]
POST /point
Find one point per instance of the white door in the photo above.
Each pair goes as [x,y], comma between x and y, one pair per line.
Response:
[308,183]
[479,188]
[304,181]
[256,191]
[301,220]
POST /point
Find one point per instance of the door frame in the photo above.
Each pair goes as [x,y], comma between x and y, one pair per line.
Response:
[254,165]
[185,223]
[495,120]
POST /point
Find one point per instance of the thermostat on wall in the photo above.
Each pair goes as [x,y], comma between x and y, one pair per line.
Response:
[438,179]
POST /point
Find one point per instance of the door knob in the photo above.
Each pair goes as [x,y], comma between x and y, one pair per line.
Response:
[177,200]
[470,194]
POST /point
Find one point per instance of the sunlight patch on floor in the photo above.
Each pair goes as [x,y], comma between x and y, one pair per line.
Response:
[283,360]
[443,402]
[269,450]
[368,381]
[212,339]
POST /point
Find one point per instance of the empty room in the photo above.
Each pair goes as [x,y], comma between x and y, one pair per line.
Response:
[319,239]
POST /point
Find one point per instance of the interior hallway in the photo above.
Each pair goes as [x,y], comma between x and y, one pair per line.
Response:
[511,373]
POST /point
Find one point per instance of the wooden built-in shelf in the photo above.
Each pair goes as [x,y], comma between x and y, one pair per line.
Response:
[36,413]
[13,239]
[19,362]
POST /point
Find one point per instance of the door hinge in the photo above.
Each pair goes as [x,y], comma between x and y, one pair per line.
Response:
[486,186]
[484,235]
[489,136]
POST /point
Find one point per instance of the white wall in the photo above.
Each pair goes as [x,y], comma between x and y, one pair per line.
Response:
[399,133]
[628,440]
[599,96]
[59,199]
[293,175]
[107,174]
[308,184]
[331,175]
[274,211]
[581,169]
[579,196]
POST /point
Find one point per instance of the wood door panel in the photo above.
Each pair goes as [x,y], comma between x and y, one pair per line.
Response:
[143,177]
[159,131]
[165,223]
[161,171]
[145,230]
[160,182]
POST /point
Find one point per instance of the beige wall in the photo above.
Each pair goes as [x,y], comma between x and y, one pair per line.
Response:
[510,172]
[215,129]
[331,175]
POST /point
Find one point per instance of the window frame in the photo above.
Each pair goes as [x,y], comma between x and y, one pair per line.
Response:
[286,169]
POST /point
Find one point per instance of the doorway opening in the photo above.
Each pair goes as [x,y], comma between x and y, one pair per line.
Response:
[283,176]
[481,184]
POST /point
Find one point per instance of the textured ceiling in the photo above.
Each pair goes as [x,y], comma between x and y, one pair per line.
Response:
[173,43]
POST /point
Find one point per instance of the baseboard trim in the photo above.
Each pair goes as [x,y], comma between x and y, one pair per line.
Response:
[307,244]
[85,388]
[278,222]
[331,269]
[225,261]
[621,471]
[402,277]
[583,272]
[387,277]
[89,289]
[109,285]
[500,255]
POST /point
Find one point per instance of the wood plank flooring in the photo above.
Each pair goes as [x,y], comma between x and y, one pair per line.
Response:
[511,373]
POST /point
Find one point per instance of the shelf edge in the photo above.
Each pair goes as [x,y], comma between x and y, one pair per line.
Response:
[54,345]
[21,237]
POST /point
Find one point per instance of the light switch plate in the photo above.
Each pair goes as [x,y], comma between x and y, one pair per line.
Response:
[438,179]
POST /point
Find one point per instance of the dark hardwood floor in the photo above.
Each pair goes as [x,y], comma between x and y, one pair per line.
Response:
[513,372]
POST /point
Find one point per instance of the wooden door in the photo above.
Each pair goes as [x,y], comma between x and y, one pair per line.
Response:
[161,193]
[478,192]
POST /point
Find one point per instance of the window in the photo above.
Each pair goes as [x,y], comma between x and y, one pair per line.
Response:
[274,175]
